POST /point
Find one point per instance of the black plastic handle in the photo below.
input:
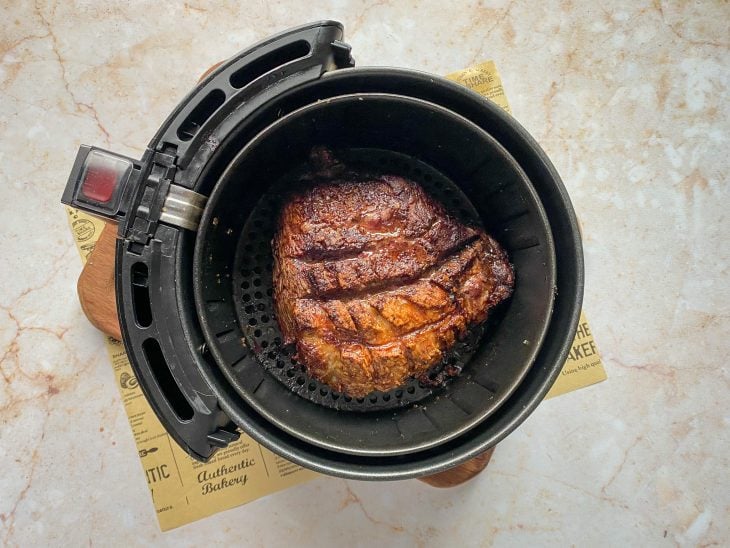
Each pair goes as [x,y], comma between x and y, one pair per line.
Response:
[154,259]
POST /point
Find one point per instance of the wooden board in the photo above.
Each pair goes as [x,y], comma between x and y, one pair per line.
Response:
[96,285]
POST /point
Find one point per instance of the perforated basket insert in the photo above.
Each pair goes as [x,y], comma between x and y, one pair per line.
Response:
[253,292]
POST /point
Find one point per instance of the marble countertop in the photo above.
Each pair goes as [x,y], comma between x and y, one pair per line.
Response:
[630,101]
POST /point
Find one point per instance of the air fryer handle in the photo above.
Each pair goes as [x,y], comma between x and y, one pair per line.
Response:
[134,193]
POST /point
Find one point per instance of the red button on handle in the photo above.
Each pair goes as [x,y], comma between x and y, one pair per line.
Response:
[99,185]
[102,176]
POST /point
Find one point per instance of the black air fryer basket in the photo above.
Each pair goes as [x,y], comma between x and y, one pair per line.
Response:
[193,258]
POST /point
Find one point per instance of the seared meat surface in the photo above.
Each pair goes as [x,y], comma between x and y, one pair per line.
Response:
[373,281]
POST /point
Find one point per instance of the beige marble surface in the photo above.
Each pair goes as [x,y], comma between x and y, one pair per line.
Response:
[630,99]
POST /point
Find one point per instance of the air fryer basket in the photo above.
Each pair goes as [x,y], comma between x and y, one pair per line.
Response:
[221,143]
[568,289]
[432,144]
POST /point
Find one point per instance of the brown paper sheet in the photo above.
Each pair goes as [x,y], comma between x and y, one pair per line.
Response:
[483,78]
[184,490]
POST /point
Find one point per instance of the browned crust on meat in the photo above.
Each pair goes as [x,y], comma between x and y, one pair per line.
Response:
[373,281]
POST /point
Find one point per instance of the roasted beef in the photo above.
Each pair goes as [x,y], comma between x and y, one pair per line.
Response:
[374,281]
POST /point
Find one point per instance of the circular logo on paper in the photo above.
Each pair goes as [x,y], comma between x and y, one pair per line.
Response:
[127,381]
[84,229]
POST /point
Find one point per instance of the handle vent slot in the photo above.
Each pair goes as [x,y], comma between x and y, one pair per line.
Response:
[166,382]
[141,295]
[268,62]
[197,117]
